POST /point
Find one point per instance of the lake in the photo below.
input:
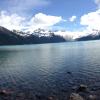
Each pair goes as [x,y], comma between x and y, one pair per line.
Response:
[34,72]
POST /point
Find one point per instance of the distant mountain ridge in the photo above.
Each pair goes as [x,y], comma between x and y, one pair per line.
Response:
[15,37]
[8,37]
[95,35]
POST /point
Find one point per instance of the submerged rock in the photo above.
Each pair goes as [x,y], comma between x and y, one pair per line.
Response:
[5,92]
[92,97]
[69,72]
[52,98]
[40,97]
[74,88]
[82,88]
[75,96]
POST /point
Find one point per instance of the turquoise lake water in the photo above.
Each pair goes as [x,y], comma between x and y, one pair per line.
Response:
[43,69]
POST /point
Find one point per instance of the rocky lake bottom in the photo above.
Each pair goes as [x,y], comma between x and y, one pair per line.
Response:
[59,71]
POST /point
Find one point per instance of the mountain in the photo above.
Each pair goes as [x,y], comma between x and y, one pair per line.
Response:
[8,37]
[14,37]
[95,35]
[38,36]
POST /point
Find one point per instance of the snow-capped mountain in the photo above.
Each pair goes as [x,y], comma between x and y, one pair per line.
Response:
[8,37]
[94,35]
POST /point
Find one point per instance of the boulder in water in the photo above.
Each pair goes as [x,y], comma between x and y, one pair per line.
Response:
[75,96]
[92,97]
[82,88]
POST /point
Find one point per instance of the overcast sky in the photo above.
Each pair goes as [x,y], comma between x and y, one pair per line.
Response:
[71,15]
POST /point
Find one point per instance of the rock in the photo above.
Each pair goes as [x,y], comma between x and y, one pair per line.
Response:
[40,97]
[64,90]
[82,88]
[74,87]
[92,97]
[5,92]
[71,82]
[69,72]
[52,98]
[75,96]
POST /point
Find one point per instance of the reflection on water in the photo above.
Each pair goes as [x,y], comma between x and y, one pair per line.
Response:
[42,69]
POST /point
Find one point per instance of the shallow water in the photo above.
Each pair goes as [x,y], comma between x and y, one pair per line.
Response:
[33,70]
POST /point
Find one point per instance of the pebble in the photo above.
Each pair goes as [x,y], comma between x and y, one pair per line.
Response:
[82,88]
[92,97]
[69,72]
[5,92]
[75,96]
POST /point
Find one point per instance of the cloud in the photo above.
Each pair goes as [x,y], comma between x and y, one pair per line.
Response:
[70,34]
[12,21]
[91,20]
[24,5]
[72,19]
[97,2]
[41,20]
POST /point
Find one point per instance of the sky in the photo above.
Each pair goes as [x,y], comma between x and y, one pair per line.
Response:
[76,17]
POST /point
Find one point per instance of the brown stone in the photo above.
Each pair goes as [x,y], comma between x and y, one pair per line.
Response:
[5,92]
[82,88]
[92,97]
[75,96]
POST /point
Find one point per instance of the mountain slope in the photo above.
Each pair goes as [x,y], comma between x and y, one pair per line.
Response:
[93,36]
[11,38]
[7,37]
